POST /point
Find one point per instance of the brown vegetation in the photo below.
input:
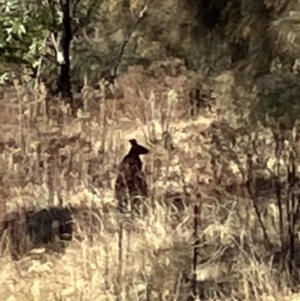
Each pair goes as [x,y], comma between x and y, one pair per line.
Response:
[220,184]
[239,252]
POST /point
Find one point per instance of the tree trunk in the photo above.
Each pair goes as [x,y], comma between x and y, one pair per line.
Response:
[64,82]
[238,50]
[261,42]
[238,46]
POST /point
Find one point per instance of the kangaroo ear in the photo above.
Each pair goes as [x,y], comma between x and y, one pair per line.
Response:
[133,142]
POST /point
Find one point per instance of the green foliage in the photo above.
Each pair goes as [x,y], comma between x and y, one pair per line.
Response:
[278,101]
[25,28]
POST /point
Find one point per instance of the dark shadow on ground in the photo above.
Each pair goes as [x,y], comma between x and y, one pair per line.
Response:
[53,228]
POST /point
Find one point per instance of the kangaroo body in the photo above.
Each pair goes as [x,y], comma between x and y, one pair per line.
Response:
[131,184]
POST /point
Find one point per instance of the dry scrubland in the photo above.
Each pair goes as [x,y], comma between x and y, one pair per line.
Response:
[44,160]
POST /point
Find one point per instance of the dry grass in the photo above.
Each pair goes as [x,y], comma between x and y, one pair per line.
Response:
[43,160]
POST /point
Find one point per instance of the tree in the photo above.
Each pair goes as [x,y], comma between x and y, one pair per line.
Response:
[23,39]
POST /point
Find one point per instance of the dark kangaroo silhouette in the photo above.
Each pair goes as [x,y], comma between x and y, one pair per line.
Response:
[131,184]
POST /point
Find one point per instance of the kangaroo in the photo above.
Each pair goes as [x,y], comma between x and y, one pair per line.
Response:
[131,184]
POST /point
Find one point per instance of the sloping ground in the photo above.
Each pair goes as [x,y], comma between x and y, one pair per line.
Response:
[31,144]
[34,151]
[78,159]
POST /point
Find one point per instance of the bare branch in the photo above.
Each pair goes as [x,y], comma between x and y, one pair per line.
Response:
[125,42]
[59,54]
